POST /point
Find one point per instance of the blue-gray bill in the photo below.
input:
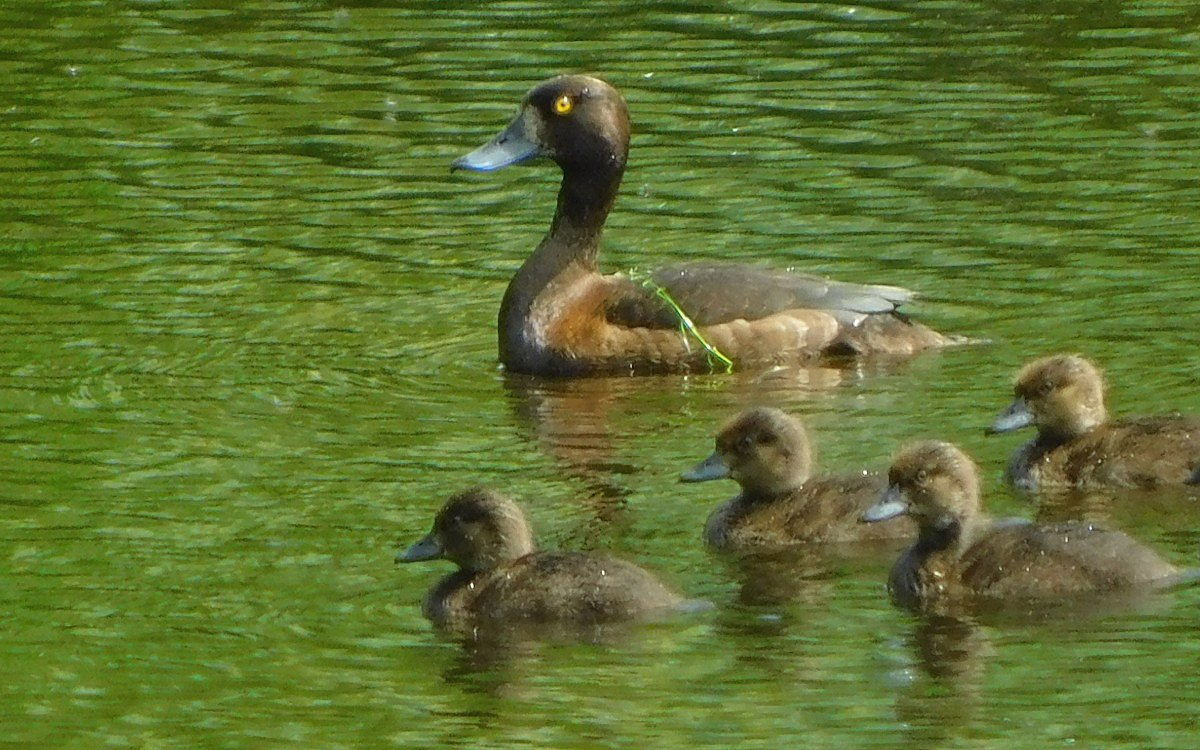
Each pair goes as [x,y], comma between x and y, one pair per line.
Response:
[1016,416]
[510,147]
[710,468]
[426,548]
[890,505]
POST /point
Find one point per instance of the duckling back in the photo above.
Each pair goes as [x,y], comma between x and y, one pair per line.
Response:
[575,587]
[1144,452]
[1016,560]
[824,510]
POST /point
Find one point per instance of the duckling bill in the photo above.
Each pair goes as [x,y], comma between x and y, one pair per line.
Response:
[961,556]
[503,579]
[561,317]
[1078,445]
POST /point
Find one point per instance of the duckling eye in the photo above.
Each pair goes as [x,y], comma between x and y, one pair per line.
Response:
[1045,387]
[563,105]
[922,476]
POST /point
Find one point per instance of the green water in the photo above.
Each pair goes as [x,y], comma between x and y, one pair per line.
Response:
[248,348]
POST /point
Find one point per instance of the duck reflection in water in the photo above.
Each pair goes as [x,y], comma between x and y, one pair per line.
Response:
[560,316]
[940,687]
[505,588]
[1174,507]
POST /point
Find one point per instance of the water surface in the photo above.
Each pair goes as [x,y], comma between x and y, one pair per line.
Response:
[249,348]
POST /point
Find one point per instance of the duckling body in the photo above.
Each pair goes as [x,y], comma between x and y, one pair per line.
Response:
[1078,446]
[963,556]
[561,316]
[770,455]
[502,579]
[825,510]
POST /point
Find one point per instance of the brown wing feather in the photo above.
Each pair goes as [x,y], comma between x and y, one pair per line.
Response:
[713,293]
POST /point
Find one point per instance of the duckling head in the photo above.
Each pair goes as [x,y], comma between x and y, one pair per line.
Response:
[478,530]
[1062,395]
[934,482]
[764,450]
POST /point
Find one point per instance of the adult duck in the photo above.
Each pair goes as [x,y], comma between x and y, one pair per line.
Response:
[560,316]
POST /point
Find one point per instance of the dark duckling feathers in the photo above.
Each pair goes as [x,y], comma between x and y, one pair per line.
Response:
[770,455]
[502,579]
[963,556]
[1077,445]
[560,316]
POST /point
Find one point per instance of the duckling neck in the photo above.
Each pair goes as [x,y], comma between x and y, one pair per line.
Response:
[756,493]
[1056,435]
[568,252]
[1075,422]
[945,534]
[488,561]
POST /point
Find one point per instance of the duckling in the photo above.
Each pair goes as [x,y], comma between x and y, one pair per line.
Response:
[1076,443]
[769,454]
[961,555]
[561,317]
[503,579]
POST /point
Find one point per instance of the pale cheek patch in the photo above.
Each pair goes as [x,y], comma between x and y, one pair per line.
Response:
[534,128]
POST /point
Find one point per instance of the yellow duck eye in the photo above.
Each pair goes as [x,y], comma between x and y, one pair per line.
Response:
[563,105]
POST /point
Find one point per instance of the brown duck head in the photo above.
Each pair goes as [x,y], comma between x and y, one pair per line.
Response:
[478,530]
[1062,395]
[764,450]
[936,484]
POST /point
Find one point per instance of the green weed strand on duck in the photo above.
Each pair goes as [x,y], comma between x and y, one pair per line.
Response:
[686,326]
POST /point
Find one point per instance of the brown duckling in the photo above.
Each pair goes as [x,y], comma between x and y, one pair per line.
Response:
[502,578]
[770,455]
[1076,443]
[961,555]
[561,316]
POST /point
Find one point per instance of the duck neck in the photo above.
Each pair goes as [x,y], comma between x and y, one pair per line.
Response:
[1052,436]
[1074,419]
[756,493]
[585,197]
[568,251]
[943,535]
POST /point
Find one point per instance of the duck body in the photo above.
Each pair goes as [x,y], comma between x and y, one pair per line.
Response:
[503,580]
[961,556]
[1015,560]
[824,510]
[561,316]
[781,504]
[1077,445]
[1141,452]
[552,586]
